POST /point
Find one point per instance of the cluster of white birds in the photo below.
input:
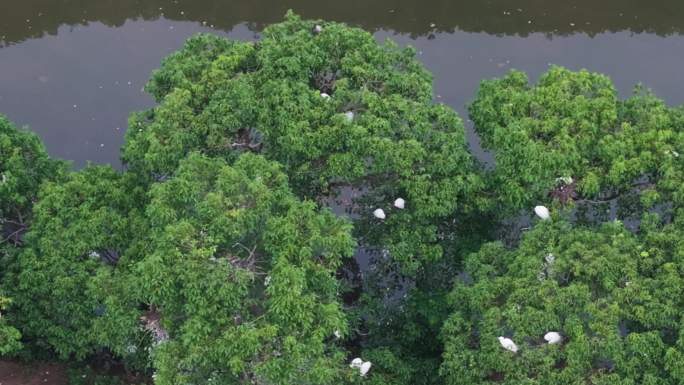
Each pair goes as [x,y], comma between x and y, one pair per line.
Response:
[398,203]
[363,366]
[550,337]
[542,212]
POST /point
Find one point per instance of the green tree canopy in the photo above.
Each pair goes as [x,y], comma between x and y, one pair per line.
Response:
[570,137]
[240,279]
[9,335]
[82,227]
[615,299]
[24,165]
[335,108]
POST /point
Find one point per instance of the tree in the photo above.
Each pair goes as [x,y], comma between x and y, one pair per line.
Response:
[335,108]
[83,228]
[612,295]
[9,336]
[24,165]
[569,138]
[239,282]
[614,298]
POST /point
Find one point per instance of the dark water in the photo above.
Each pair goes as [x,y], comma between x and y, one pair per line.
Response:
[72,69]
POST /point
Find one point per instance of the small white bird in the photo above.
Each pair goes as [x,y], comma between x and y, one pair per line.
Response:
[508,344]
[3,179]
[379,213]
[553,337]
[267,280]
[542,212]
[349,115]
[337,334]
[365,367]
[325,96]
[550,259]
[356,363]
[399,203]
[317,29]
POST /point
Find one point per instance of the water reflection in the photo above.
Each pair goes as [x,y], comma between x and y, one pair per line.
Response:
[23,19]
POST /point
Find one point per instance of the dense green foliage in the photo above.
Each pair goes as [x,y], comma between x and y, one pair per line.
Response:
[81,228]
[24,165]
[224,98]
[615,298]
[571,137]
[215,257]
[243,274]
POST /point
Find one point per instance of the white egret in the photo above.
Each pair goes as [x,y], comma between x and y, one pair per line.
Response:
[356,363]
[379,213]
[553,337]
[325,96]
[349,115]
[399,203]
[317,29]
[542,212]
[365,367]
[337,334]
[508,344]
[550,259]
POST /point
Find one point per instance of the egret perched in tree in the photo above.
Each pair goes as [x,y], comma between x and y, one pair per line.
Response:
[553,337]
[542,212]
[349,115]
[365,367]
[379,213]
[356,363]
[317,29]
[399,203]
[325,96]
[550,259]
[508,344]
